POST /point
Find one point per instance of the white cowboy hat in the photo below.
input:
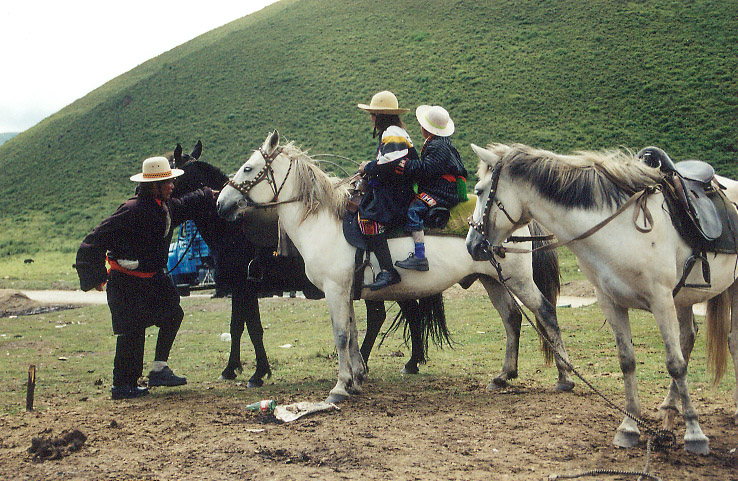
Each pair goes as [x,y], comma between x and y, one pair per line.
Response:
[156,168]
[435,119]
[384,102]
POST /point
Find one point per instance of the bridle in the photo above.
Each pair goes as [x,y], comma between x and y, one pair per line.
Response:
[483,226]
[266,173]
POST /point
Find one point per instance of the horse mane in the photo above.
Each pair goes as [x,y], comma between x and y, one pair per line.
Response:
[584,179]
[316,189]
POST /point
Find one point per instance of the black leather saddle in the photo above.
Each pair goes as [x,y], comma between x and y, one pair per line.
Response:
[700,211]
[691,184]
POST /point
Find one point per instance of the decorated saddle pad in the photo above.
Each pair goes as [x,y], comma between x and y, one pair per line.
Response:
[457,225]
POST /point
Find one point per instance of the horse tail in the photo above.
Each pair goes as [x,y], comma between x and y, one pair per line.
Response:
[718,319]
[547,277]
[430,317]
[433,320]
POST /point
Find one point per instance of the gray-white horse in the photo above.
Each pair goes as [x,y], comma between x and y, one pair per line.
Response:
[630,267]
[310,205]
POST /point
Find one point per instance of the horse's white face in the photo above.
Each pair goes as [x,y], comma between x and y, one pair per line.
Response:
[488,218]
[252,181]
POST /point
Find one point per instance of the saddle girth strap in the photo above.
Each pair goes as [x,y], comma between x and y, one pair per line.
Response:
[688,265]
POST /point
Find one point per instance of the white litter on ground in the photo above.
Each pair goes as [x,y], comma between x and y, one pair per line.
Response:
[290,412]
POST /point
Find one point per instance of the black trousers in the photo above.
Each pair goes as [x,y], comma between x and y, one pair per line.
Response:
[135,304]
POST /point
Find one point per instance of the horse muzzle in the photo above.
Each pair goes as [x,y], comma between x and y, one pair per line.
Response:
[478,246]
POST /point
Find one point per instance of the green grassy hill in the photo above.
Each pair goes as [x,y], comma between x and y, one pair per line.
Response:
[562,75]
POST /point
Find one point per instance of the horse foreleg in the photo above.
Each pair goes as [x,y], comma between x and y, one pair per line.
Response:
[234,365]
[511,320]
[627,434]
[375,317]
[341,312]
[411,312]
[665,314]
[246,308]
[687,330]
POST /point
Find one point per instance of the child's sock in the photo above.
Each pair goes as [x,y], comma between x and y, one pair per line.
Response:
[420,250]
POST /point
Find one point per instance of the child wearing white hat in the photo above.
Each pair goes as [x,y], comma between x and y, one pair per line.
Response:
[437,174]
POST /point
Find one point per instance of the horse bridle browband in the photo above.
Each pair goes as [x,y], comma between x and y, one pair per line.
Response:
[266,172]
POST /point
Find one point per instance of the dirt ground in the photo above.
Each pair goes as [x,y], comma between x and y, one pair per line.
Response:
[15,303]
[440,428]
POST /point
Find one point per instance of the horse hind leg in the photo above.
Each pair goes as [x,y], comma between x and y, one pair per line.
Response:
[733,342]
[375,317]
[411,315]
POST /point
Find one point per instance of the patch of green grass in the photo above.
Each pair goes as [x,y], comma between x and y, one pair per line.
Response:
[73,351]
[49,270]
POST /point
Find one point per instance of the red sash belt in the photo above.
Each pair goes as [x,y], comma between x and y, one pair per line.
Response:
[117,267]
[451,178]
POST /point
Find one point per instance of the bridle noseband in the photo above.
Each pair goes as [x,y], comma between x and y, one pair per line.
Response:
[266,172]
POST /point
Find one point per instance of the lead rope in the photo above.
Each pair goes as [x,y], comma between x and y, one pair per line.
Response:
[658,439]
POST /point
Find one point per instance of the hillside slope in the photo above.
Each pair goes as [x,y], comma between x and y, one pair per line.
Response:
[563,77]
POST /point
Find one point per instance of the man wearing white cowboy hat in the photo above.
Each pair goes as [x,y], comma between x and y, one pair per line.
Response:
[135,242]
[390,192]
[438,173]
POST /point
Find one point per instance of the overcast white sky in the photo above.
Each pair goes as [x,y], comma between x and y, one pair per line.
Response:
[53,52]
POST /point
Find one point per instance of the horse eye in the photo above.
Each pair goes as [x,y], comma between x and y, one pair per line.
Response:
[247,169]
[477,192]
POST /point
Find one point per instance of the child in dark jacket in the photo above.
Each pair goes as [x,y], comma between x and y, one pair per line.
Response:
[436,173]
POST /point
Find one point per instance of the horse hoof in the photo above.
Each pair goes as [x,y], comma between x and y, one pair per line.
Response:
[564,386]
[410,368]
[698,446]
[336,398]
[624,439]
[255,383]
[497,383]
[668,418]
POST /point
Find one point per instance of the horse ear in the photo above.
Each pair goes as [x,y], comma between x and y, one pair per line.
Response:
[178,155]
[272,142]
[197,151]
[485,155]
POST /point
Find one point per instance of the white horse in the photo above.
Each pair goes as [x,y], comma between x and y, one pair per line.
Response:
[568,195]
[310,205]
